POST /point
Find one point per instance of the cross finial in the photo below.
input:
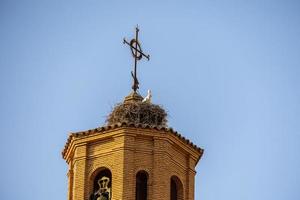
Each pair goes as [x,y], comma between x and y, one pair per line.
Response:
[138,54]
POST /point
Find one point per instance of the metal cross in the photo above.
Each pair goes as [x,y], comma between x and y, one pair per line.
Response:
[138,54]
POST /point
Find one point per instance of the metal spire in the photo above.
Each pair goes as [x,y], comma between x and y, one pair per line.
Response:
[138,54]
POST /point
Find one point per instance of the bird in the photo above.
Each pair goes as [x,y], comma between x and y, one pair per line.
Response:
[147,99]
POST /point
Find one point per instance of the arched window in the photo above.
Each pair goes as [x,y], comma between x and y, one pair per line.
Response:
[173,190]
[102,185]
[141,189]
[176,189]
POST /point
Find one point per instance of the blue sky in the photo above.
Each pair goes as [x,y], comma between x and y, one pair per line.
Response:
[226,71]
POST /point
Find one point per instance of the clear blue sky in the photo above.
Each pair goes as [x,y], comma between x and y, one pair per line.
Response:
[228,72]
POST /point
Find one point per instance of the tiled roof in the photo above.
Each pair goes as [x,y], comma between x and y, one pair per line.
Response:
[119,125]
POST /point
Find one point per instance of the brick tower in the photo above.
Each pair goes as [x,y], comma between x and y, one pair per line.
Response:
[140,160]
[135,156]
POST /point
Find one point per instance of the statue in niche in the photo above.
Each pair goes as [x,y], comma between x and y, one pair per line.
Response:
[104,191]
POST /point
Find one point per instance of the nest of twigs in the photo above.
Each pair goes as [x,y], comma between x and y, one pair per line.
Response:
[138,113]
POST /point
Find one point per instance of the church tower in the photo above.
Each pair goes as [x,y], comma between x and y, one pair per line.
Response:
[135,156]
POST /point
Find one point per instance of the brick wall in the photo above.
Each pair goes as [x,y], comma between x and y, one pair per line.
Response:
[125,151]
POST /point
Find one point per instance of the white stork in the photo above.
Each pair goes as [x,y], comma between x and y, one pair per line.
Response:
[147,99]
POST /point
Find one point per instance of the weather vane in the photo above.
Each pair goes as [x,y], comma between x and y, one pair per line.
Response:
[138,54]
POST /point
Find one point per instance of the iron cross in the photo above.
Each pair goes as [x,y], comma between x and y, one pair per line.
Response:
[138,54]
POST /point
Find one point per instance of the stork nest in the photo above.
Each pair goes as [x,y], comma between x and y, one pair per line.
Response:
[138,113]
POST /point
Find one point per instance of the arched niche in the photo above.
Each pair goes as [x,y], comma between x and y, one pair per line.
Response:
[176,189]
[141,186]
[102,184]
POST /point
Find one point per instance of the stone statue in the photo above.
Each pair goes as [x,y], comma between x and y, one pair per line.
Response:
[104,192]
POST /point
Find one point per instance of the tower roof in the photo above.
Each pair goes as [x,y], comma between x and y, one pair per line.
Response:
[106,129]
